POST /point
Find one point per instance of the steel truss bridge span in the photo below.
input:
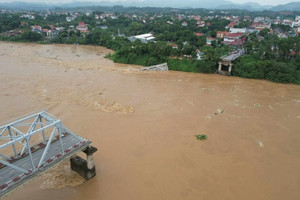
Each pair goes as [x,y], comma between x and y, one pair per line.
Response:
[32,144]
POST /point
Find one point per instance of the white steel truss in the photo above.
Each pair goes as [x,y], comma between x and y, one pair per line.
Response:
[13,134]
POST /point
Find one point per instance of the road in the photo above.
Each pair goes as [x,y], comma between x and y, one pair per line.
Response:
[7,174]
[231,57]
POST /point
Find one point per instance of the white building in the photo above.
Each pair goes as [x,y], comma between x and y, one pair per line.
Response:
[259,19]
[237,30]
[69,19]
[144,38]
[296,23]
[28,16]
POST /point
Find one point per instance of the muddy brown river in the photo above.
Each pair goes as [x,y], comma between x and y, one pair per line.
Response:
[143,124]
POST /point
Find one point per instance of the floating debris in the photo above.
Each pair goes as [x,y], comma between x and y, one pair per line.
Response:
[201,137]
[219,111]
[160,67]
[261,144]
[271,107]
[208,117]
[257,105]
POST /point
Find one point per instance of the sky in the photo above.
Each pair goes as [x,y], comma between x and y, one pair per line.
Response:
[264,2]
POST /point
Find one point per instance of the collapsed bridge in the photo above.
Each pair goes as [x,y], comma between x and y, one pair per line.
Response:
[35,143]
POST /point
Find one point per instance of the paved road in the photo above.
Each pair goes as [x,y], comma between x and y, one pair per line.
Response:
[231,57]
[8,173]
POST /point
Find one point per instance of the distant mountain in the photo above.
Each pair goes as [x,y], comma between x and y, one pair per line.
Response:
[151,3]
[128,3]
[24,5]
[243,6]
[182,3]
[293,6]
[212,4]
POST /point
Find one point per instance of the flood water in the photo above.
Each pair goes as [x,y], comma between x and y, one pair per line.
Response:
[143,124]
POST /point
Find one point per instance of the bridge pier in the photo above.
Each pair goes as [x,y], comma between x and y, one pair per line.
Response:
[224,72]
[220,67]
[230,68]
[85,168]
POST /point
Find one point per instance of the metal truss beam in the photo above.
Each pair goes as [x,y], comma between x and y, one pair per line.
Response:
[11,135]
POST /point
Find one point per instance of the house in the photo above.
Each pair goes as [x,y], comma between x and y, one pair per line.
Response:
[174,46]
[221,34]
[200,24]
[235,41]
[198,34]
[113,17]
[293,52]
[184,24]
[282,35]
[260,26]
[199,55]
[276,21]
[36,29]
[230,25]
[60,28]
[144,38]
[251,30]
[55,33]
[196,18]
[10,33]
[259,19]
[69,19]
[231,37]
[103,27]
[82,27]
[28,16]
[287,22]
[24,23]
[209,40]
[296,23]
[237,30]
[45,30]
[49,34]
[247,18]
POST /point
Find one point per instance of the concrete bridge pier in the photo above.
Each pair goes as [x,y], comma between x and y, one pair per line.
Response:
[220,67]
[230,68]
[85,168]
[223,72]
[89,151]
